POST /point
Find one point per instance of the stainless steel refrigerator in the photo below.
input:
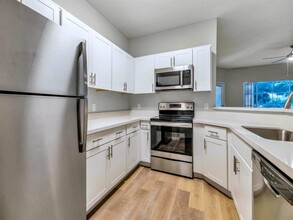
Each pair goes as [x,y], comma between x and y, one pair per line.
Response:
[43,118]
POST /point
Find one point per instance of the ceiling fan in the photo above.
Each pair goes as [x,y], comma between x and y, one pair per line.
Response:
[289,57]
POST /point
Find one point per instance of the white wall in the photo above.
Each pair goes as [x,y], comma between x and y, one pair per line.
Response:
[90,16]
[107,101]
[234,79]
[179,38]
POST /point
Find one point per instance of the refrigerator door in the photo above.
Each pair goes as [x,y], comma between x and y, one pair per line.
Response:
[42,172]
[38,56]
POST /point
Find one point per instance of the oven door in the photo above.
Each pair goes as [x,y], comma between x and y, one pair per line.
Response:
[172,140]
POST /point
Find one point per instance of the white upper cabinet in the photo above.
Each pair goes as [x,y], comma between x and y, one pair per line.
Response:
[144,75]
[101,62]
[80,29]
[129,74]
[182,57]
[47,8]
[163,60]
[202,62]
[175,58]
[118,69]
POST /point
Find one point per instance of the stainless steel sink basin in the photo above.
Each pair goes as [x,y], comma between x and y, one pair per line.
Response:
[272,134]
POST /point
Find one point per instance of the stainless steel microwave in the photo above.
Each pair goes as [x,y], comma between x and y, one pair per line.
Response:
[177,77]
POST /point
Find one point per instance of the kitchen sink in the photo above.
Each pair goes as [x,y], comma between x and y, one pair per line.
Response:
[271,133]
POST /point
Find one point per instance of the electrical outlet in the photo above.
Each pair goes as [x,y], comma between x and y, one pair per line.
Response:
[93,107]
[206,106]
[138,106]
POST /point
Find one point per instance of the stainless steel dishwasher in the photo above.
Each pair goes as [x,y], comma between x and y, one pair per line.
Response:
[272,190]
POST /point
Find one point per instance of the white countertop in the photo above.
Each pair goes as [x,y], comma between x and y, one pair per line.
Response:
[280,153]
[103,121]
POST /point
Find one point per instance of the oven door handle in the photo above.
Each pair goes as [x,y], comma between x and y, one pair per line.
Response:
[172,124]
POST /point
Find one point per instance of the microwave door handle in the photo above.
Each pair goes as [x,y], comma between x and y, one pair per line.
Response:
[181,78]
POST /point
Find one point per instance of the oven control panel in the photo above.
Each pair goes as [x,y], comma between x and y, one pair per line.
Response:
[182,106]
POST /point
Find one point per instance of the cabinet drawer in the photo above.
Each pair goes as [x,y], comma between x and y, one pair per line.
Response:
[96,150]
[244,149]
[215,132]
[117,133]
[97,139]
[145,125]
[132,127]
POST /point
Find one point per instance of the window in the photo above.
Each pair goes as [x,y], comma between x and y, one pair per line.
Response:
[267,94]
[220,94]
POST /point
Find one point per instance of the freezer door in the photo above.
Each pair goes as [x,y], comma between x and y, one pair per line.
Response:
[42,172]
[38,56]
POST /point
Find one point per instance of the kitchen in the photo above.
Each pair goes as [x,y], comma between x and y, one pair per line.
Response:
[154,144]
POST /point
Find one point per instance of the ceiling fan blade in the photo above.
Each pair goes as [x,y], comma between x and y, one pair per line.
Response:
[279,60]
[266,58]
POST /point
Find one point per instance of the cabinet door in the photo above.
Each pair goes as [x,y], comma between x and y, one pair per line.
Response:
[202,62]
[241,179]
[47,8]
[215,161]
[163,60]
[129,74]
[101,62]
[145,150]
[182,57]
[118,69]
[133,150]
[82,30]
[117,162]
[144,75]
[96,184]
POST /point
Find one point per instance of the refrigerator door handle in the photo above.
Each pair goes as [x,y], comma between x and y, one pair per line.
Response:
[82,121]
[82,71]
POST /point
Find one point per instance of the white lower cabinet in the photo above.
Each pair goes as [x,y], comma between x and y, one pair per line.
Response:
[215,161]
[96,168]
[133,150]
[241,180]
[116,169]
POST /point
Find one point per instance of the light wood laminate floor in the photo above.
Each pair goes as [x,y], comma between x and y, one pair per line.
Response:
[151,195]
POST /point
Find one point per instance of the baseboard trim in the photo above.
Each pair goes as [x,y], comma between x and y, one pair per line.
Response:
[145,164]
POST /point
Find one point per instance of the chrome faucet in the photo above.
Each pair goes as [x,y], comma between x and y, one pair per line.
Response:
[289,101]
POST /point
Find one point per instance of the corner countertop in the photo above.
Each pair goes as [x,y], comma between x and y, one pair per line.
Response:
[104,121]
[280,153]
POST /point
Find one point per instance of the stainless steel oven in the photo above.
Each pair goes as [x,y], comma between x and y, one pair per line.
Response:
[178,77]
[171,139]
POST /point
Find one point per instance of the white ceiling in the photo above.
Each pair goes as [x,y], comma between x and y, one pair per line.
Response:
[247,29]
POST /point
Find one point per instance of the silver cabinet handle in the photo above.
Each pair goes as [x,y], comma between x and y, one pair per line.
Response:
[181,78]
[148,134]
[95,79]
[129,142]
[108,153]
[100,139]
[205,145]
[195,85]
[174,61]
[152,87]
[135,126]
[214,134]
[91,79]
[235,165]
[82,77]
[82,120]
[171,61]
[119,132]
[111,151]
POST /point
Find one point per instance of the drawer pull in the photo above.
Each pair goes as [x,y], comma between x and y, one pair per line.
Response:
[119,132]
[100,139]
[108,153]
[135,126]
